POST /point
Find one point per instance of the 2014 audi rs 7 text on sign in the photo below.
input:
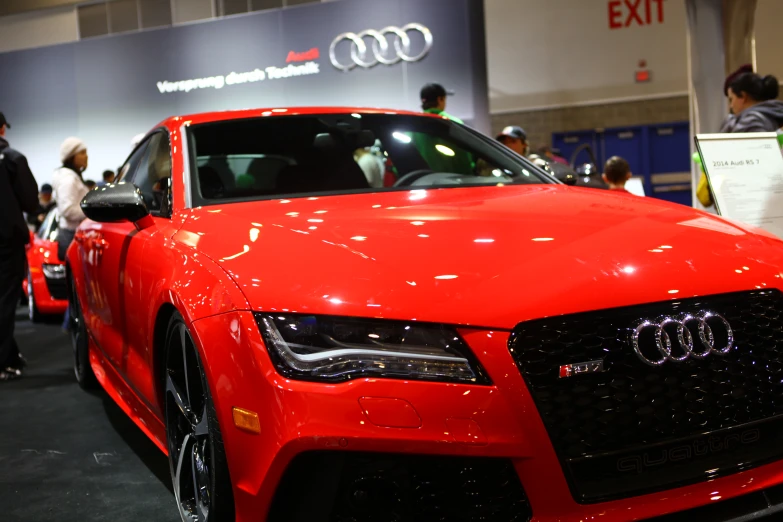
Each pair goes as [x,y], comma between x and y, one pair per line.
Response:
[364,315]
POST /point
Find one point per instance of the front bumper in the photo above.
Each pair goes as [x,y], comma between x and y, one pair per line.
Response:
[410,417]
[50,294]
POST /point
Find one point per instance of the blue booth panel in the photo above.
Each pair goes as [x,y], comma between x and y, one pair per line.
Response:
[659,154]
[629,143]
[670,167]
[568,142]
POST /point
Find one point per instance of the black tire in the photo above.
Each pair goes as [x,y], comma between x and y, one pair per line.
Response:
[192,429]
[80,343]
[33,313]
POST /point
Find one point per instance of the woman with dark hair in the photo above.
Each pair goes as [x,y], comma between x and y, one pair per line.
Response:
[753,104]
[69,190]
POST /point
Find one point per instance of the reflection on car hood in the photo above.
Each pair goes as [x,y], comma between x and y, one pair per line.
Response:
[490,256]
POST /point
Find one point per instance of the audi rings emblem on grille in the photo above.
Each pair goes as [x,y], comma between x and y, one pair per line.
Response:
[380,51]
[681,337]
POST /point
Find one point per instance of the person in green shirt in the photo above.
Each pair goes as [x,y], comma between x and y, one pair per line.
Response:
[440,154]
[433,100]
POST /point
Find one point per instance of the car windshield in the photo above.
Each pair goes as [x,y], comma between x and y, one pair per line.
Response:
[48,229]
[289,156]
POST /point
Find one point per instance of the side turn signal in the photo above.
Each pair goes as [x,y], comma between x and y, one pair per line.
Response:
[247,420]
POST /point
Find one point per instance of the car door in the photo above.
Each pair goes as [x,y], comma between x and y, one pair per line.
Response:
[153,179]
[108,251]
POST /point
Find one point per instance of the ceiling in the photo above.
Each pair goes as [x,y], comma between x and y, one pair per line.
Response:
[9,7]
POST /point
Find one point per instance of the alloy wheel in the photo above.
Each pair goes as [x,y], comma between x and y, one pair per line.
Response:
[80,343]
[187,427]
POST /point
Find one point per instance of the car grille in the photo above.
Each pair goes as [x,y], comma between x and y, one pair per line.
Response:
[57,288]
[635,428]
[368,487]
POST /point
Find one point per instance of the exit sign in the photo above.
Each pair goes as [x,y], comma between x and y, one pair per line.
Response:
[642,76]
[628,13]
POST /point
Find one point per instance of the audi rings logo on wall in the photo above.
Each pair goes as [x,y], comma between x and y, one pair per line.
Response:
[379,50]
[681,337]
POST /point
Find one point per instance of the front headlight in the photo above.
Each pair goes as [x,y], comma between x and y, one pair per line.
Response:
[54,271]
[336,349]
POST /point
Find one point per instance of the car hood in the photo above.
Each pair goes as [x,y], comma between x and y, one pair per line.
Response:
[489,257]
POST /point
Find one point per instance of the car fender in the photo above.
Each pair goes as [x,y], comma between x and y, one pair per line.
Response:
[190,282]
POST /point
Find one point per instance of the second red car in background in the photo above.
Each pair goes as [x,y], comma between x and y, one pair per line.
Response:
[45,285]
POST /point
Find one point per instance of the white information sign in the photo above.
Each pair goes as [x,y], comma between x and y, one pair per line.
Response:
[745,173]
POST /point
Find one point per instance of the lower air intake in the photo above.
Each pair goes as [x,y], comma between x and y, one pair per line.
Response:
[373,487]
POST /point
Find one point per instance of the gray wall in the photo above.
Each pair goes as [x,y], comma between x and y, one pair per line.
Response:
[105,90]
[539,124]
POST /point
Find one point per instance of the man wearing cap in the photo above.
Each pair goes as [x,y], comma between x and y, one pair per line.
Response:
[46,203]
[108,178]
[431,147]
[514,138]
[45,198]
[433,100]
[18,193]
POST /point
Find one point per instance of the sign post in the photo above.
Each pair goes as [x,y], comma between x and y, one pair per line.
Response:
[745,175]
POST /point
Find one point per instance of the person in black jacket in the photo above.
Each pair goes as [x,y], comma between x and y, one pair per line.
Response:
[18,193]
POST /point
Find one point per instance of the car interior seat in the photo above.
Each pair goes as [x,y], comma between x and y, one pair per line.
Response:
[298,178]
[210,184]
[334,151]
[265,172]
[219,164]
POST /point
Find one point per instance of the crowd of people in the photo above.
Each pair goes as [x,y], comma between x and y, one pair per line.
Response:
[753,107]
[23,207]
[616,173]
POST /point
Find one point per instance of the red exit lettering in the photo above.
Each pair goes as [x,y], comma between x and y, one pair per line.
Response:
[624,13]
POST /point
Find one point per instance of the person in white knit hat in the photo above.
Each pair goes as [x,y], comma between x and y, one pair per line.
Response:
[137,139]
[69,190]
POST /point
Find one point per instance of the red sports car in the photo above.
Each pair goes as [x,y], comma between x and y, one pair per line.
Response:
[475,342]
[45,286]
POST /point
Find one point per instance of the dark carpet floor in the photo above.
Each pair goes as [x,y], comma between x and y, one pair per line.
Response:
[67,455]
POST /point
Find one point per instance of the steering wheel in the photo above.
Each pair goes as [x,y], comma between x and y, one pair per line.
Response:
[412,176]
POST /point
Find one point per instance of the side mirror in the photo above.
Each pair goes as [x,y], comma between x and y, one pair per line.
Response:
[115,202]
[570,180]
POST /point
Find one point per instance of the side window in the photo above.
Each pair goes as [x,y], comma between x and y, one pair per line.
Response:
[53,225]
[126,171]
[43,229]
[153,174]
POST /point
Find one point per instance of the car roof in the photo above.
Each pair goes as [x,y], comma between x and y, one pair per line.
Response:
[205,117]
